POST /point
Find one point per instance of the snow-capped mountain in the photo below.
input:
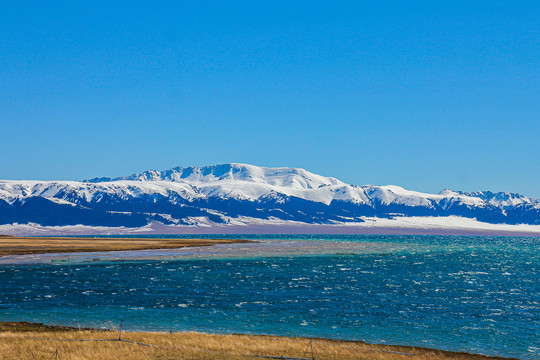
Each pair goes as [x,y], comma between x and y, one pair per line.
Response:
[222,193]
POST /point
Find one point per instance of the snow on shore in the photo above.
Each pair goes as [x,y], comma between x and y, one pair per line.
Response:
[371,225]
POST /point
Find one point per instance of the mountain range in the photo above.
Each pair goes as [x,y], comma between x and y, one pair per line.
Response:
[225,194]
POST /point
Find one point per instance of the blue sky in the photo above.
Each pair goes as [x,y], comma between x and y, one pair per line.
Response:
[423,94]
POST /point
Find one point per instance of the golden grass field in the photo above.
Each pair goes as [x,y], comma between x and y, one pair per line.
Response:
[23,341]
[12,245]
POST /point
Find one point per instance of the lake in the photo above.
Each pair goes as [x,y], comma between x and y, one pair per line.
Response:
[460,293]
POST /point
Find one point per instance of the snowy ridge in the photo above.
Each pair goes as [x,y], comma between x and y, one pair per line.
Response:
[220,194]
[247,182]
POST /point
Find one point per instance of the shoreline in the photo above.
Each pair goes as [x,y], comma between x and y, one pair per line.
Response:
[446,226]
[198,345]
[14,245]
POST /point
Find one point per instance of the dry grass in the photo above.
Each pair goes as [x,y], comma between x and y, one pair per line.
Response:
[34,342]
[11,245]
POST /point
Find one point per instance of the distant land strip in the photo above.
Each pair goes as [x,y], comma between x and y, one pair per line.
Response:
[13,245]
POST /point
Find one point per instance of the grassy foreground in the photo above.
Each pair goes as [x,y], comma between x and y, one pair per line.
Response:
[35,341]
[13,245]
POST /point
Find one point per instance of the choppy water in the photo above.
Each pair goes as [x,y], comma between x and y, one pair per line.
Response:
[474,294]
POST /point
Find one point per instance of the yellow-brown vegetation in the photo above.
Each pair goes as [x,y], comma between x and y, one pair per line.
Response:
[12,245]
[23,341]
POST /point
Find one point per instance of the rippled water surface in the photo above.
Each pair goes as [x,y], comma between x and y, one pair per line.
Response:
[474,294]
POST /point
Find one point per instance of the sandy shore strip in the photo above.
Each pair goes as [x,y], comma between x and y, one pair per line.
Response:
[219,250]
[13,245]
[21,340]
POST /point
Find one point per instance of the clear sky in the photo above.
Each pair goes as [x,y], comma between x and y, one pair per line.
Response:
[423,94]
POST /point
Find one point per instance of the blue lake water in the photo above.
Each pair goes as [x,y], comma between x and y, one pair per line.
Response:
[474,294]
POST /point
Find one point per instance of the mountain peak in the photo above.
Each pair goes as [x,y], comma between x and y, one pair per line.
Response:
[278,176]
[229,192]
